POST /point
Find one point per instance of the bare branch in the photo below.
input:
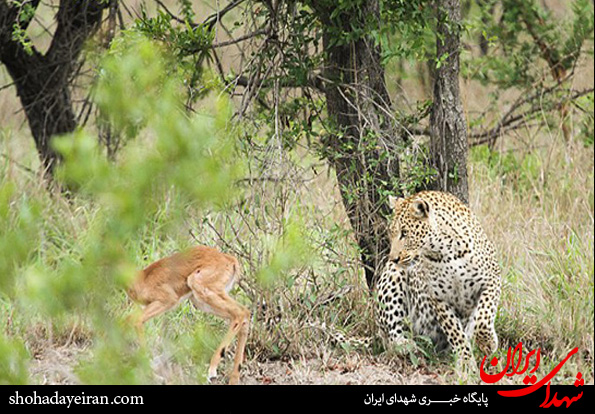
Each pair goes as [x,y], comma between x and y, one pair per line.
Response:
[170,14]
[509,122]
[211,20]
[239,39]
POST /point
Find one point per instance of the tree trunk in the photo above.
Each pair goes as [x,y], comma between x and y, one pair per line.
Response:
[43,81]
[360,148]
[448,128]
[45,96]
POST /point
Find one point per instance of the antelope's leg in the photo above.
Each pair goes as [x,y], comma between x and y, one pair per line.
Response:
[150,311]
[217,302]
[242,338]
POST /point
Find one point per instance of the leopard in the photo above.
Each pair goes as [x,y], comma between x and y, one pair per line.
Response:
[441,279]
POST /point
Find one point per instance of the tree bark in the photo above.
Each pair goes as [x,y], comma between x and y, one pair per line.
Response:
[360,149]
[42,81]
[448,128]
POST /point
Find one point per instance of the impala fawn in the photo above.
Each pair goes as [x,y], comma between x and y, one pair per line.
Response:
[206,276]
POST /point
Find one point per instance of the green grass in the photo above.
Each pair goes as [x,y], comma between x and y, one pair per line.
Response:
[66,260]
[544,240]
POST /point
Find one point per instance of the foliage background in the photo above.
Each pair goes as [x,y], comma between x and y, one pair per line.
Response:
[252,182]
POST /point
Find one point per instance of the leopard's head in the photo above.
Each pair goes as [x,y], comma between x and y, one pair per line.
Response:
[409,229]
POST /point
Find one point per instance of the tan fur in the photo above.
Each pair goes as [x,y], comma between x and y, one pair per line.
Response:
[205,276]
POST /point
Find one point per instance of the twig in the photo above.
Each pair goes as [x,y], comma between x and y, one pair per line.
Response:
[508,122]
[173,16]
[18,164]
[239,39]
[331,297]
[8,85]
[218,15]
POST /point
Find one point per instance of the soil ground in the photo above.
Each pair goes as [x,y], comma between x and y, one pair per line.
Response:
[55,366]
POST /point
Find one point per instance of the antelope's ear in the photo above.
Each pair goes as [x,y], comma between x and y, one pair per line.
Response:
[393,202]
[420,208]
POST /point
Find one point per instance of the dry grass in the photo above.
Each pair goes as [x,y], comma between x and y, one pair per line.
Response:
[541,222]
[536,204]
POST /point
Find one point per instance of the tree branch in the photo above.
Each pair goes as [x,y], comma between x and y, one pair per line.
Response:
[12,51]
[211,20]
[76,22]
[315,82]
[9,15]
[509,122]
[239,39]
[173,16]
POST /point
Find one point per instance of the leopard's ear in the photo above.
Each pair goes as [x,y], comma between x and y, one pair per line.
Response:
[420,208]
[393,202]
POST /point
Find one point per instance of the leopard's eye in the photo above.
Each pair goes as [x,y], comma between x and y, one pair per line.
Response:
[403,234]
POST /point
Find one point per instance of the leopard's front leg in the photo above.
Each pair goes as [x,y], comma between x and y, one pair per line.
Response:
[392,303]
[453,330]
